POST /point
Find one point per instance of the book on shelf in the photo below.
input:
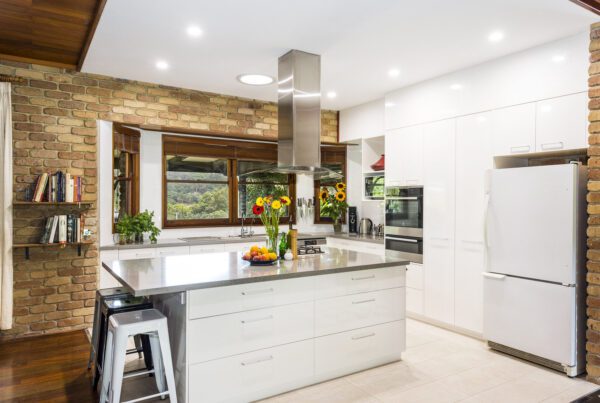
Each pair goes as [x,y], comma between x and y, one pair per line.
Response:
[58,188]
[62,229]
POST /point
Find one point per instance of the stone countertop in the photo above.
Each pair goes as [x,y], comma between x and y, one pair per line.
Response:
[234,239]
[171,274]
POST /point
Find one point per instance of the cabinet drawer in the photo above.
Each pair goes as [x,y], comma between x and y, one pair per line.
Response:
[173,250]
[144,253]
[360,281]
[343,353]
[237,333]
[414,276]
[252,376]
[414,301]
[198,249]
[349,312]
[245,297]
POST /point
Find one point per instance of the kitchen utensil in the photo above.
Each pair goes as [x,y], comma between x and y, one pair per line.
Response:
[365,227]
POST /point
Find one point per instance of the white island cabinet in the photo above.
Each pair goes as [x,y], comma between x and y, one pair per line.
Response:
[240,334]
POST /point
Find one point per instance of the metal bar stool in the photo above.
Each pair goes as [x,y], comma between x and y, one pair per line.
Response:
[122,325]
[109,307]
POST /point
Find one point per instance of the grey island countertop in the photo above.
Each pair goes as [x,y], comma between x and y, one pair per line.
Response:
[171,274]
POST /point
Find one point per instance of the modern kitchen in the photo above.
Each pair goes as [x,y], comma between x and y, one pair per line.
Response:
[299,202]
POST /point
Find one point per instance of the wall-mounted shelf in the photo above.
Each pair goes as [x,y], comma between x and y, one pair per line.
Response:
[26,246]
[30,203]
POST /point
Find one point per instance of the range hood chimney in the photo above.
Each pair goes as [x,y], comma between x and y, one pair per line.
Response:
[299,114]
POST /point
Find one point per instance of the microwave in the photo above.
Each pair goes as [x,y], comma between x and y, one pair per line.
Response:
[404,211]
[374,186]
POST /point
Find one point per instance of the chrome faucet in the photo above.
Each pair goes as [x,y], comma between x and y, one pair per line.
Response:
[246,231]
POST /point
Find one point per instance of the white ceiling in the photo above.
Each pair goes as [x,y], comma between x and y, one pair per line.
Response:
[359,40]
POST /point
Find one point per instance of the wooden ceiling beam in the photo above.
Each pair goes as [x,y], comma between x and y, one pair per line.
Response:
[591,5]
[91,32]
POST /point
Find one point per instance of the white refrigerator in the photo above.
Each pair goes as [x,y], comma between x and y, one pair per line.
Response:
[534,284]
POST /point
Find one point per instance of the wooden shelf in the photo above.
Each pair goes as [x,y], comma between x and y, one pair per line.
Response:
[31,203]
[26,246]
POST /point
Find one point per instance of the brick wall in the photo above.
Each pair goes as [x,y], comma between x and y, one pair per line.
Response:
[54,116]
[593,197]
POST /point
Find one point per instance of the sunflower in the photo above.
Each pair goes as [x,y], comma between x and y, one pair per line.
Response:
[260,202]
[323,195]
[340,186]
[276,204]
[340,196]
[285,200]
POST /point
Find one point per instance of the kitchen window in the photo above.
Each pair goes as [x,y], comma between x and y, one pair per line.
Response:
[212,182]
[333,158]
[126,171]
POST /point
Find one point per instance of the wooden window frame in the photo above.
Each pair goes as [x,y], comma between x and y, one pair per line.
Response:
[133,136]
[198,145]
[325,159]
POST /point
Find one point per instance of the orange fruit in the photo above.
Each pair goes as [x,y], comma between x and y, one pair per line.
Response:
[264,250]
[254,248]
[272,256]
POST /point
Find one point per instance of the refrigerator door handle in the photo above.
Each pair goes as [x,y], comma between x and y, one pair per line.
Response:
[494,276]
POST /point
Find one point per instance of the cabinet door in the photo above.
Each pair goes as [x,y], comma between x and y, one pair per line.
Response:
[172,251]
[513,130]
[406,147]
[561,123]
[393,167]
[438,220]
[199,249]
[473,158]
[142,253]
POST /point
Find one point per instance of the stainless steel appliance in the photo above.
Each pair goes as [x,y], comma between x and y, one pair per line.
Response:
[365,227]
[374,186]
[404,247]
[310,246]
[404,211]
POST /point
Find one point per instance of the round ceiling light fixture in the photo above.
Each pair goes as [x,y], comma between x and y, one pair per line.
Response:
[162,65]
[255,79]
[194,31]
[496,36]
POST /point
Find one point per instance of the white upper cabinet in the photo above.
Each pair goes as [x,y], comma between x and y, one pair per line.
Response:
[547,71]
[513,130]
[561,123]
[438,216]
[362,121]
[404,164]
[473,158]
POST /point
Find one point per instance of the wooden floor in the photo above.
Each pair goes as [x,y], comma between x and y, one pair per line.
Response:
[50,368]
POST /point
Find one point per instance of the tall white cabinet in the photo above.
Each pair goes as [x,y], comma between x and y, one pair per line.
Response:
[438,219]
[474,157]
[404,164]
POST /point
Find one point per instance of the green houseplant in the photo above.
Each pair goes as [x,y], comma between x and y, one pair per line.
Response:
[145,224]
[125,228]
[333,205]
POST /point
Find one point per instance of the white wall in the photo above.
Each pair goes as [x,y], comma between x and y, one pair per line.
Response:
[151,190]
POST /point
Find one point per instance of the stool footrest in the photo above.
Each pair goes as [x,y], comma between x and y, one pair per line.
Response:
[147,397]
[135,373]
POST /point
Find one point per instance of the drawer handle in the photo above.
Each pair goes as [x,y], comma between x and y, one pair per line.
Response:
[364,336]
[363,278]
[553,146]
[257,319]
[494,276]
[254,292]
[143,254]
[364,301]
[257,361]
[520,149]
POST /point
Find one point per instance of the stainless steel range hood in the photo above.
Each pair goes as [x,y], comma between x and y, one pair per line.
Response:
[299,112]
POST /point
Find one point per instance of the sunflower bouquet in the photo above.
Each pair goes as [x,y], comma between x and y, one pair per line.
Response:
[333,204]
[270,210]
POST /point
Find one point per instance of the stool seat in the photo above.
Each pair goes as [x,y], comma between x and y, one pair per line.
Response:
[151,323]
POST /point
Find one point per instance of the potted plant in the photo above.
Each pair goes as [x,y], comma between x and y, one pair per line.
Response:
[145,224]
[270,210]
[334,205]
[124,228]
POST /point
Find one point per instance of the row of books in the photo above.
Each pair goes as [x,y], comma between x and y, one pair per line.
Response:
[62,229]
[58,187]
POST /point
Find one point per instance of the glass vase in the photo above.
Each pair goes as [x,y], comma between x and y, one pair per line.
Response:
[273,242]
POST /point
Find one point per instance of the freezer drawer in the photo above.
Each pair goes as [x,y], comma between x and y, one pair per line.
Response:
[531,316]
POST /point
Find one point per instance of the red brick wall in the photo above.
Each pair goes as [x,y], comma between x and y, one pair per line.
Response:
[54,114]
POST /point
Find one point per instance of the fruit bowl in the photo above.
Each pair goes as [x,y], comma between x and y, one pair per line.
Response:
[258,256]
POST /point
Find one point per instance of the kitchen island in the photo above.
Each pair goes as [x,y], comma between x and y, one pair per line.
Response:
[241,332]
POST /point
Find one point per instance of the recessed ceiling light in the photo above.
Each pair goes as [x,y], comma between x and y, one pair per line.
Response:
[194,31]
[456,87]
[394,73]
[162,65]
[496,36]
[255,79]
[331,94]
[558,58]
[389,104]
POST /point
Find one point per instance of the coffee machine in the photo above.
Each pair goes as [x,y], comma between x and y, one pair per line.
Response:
[352,220]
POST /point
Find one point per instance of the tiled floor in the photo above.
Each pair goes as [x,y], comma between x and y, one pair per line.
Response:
[441,366]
